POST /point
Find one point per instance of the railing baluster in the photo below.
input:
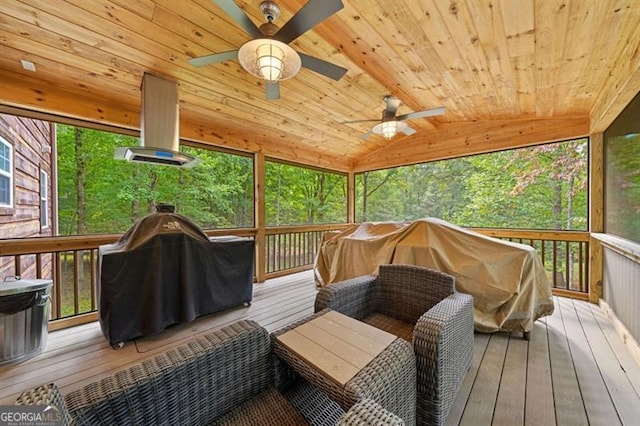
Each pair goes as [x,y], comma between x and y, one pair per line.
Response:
[17,265]
[568,266]
[39,265]
[580,271]
[268,252]
[76,274]
[555,265]
[57,285]
[289,256]
[292,251]
[93,283]
[280,265]
[272,260]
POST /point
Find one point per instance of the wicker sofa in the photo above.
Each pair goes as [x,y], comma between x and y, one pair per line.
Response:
[226,377]
[421,306]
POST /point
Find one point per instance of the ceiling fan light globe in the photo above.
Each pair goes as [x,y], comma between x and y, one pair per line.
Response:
[270,60]
[388,129]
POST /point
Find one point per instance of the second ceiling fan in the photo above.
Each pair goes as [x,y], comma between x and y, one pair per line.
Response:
[268,55]
[391,124]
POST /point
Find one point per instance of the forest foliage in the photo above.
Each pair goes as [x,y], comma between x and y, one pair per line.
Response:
[98,194]
[540,187]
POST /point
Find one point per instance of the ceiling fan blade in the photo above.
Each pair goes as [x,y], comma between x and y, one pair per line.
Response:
[408,131]
[235,12]
[311,14]
[322,67]
[366,135]
[359,121]
[214,58]
[272,90]
[392,105]
[422,114]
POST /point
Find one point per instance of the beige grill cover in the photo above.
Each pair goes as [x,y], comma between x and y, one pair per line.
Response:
[507,280]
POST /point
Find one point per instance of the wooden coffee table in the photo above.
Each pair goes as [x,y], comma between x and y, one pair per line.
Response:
[336,345]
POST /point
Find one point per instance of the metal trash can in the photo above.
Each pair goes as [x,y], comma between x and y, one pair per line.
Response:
[24,314]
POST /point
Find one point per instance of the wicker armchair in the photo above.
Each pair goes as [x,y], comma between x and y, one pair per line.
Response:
[225,377]
[421,306]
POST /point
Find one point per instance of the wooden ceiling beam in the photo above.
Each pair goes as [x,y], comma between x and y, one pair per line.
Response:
[461,139]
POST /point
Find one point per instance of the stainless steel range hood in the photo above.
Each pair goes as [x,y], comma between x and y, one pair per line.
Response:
[159,127]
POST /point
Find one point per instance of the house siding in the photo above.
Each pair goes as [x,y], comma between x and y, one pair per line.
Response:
[33,143]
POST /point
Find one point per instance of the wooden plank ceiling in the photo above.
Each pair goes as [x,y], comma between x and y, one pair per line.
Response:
[509,72]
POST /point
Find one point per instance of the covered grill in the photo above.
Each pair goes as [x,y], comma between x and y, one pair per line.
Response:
[24,313]
[166,271]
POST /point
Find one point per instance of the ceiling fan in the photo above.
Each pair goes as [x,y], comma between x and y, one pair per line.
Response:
[390,124]
[268,55]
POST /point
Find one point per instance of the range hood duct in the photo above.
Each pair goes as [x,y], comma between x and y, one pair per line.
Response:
[159,127]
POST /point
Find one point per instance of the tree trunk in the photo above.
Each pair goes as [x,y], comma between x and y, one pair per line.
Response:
[135,203]
[278,195]
[365,178]
[569,226]
[153,184]
[322,199]
[80,183]
[557,205]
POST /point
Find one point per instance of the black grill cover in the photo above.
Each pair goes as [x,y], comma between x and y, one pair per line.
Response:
[164,271]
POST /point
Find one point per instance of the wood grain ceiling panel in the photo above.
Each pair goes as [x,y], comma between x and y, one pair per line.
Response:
[491,63]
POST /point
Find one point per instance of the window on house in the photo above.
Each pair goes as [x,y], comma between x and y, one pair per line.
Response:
[6,173]
[44,196]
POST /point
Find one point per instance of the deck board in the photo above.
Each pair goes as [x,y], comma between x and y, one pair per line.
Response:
[512,392]
[457,410]
[539,406]
[614,379]
[480,406]
[566,388]
[575,370]
[592,386]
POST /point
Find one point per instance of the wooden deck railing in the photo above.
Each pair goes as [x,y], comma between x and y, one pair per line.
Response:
[565,255]
[292,249]
[72,262]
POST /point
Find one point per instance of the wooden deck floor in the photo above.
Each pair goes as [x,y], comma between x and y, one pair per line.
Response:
[574,371]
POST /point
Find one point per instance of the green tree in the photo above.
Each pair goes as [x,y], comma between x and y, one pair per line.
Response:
[299,195]
[542,187]
[111,194]
[557,172]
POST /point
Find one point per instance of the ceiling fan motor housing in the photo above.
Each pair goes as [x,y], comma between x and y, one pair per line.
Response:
[268,29]
[388,115]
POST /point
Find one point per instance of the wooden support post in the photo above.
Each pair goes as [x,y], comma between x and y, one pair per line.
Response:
[259,219]
[351,197]
[596,214]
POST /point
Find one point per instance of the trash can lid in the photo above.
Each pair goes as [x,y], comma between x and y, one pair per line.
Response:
[18,286]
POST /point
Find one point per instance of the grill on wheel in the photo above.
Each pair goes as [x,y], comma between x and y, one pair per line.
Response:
[165,271]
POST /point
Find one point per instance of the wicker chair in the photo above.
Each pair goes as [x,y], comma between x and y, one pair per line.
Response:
[223,378]
[421,306]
